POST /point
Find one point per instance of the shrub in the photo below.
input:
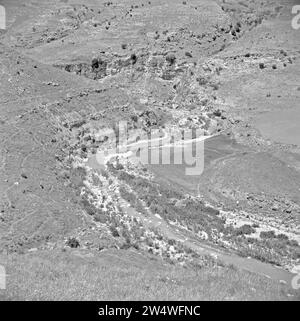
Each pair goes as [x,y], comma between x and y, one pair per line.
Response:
[73,242]
[217,113]
[88,207]
[267,234]
[214,86]
[125,233]
[114,231]
[282,237]
[171,242]
[245,229]
[171,59]
[126,245]
[262,65]
[283,52]
[202,81]
[293,243]
[95,63]
[133,58]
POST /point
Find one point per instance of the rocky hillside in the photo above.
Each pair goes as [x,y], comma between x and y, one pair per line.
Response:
[71,70]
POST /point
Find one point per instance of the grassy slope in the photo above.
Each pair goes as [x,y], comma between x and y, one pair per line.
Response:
[127,275]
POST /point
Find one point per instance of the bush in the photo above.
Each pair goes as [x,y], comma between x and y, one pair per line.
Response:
[171,242]
[202,81]
[125,246]
[267,234]
[73,242]
[215,86]
[88,207]
[245,229]
[171,59]
[133,58]
[114,231]
[282,237]
[293,243]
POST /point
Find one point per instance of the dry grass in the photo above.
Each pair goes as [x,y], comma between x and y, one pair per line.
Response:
[126,275]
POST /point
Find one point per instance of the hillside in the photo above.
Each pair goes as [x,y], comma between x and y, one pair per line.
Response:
[124,229]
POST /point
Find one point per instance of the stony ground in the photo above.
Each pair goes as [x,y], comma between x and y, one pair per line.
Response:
[72,69]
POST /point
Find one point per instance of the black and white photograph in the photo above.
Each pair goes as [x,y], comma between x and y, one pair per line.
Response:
[149,152]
